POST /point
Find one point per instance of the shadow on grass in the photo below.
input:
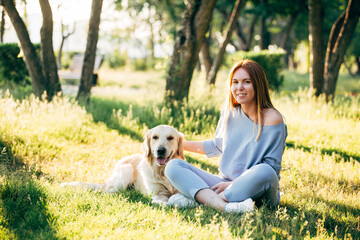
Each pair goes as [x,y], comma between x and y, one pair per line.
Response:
[339,155]
[102,111]
[333,216]
[289,220]
[317,222]
[23,201]
[149,116]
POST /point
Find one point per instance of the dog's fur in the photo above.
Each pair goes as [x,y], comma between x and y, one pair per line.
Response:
[146,172]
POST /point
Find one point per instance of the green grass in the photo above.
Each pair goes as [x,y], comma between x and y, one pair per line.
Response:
[43,144]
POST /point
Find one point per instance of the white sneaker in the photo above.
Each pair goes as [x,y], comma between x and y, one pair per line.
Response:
[240,207]
[181,201]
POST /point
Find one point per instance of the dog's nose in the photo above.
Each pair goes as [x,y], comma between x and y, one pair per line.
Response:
[161,151]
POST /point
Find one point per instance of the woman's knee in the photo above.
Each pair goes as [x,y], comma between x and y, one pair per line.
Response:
[172,167]
[266,172]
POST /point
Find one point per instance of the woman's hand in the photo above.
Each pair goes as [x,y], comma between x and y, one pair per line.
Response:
[220,187]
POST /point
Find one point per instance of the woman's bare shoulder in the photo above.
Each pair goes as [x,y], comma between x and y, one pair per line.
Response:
[272,117]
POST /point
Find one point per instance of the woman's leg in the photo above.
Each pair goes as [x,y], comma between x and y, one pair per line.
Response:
[188,179]
[259,182]
[196,184]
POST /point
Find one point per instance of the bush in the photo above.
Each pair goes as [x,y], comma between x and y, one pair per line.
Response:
[12,67]
[117,60]
[271,62]
[140,64]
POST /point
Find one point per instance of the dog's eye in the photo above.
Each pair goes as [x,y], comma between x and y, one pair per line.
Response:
[170,138]
[155,137]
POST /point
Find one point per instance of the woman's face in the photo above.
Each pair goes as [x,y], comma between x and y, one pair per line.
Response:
[242,88]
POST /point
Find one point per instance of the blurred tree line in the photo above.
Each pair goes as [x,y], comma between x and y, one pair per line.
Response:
[207,32]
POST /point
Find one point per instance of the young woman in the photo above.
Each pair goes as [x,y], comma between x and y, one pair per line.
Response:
[250,138]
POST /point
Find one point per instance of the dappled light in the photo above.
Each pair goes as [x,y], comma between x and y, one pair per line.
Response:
[82,82]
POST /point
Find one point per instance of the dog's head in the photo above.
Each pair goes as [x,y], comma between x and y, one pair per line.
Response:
[163,143]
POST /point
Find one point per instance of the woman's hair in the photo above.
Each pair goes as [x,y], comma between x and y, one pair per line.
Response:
[261,88]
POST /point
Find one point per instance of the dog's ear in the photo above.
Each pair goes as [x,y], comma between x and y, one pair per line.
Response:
[146,143]
[180,150]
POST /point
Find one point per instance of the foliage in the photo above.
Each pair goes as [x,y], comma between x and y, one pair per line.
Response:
[45,143]
[12,66]
[116,60]
[354,48]
[271,62]
[140,64]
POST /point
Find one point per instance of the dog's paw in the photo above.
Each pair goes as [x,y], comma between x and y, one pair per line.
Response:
[158,201]
[111,189]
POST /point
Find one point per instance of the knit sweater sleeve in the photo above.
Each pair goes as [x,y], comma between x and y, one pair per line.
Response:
[214,147]
[275,147]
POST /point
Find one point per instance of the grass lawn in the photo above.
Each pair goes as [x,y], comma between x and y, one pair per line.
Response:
[43,144]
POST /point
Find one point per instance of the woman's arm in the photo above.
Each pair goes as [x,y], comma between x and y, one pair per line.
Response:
[194,146]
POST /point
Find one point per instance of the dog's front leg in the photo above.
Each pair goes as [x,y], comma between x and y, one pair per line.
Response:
[160,195]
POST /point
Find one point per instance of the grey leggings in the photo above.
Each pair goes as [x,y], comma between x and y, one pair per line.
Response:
[258,182]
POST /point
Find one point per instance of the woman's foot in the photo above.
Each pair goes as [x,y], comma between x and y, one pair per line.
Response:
[240,207]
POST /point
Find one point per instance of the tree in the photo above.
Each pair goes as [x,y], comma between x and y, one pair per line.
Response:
[2,25]
[245,42]
[39,82]
[339,40]
[90,52]
[354,51]
[316,50]
[65,33]
[211,77]
[324,81]
[195,24]
[47,50]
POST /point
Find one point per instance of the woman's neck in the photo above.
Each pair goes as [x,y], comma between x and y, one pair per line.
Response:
[250,111]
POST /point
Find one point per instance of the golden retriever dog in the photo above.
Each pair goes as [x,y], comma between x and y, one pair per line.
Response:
[145,172]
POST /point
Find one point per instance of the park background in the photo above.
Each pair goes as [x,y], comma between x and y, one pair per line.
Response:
[166,62]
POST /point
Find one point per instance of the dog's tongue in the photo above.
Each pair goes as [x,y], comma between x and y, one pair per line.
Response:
[161,161]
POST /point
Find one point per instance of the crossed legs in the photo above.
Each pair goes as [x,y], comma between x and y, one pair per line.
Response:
[258,182]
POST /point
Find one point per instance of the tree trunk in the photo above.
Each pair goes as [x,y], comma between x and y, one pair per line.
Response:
[206,56]
[190,38]
[357,60]
[288,30]
[2,26]
[339,40]
[63,39]
[264,34]
[32,61]
[316,52]
[246,41]
[251,33]
[90,52]
[211,78]
[284,42]
[47,50]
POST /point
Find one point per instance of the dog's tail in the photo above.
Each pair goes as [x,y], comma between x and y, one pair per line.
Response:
[85,185]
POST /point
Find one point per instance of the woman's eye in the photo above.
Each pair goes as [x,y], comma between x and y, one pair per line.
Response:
[155,137]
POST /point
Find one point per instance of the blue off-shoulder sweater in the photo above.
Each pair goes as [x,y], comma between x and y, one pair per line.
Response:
[237,146]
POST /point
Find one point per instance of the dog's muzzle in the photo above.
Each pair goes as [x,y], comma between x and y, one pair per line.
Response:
[161,158]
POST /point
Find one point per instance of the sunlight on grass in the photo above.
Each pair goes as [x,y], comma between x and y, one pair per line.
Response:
[43,144]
